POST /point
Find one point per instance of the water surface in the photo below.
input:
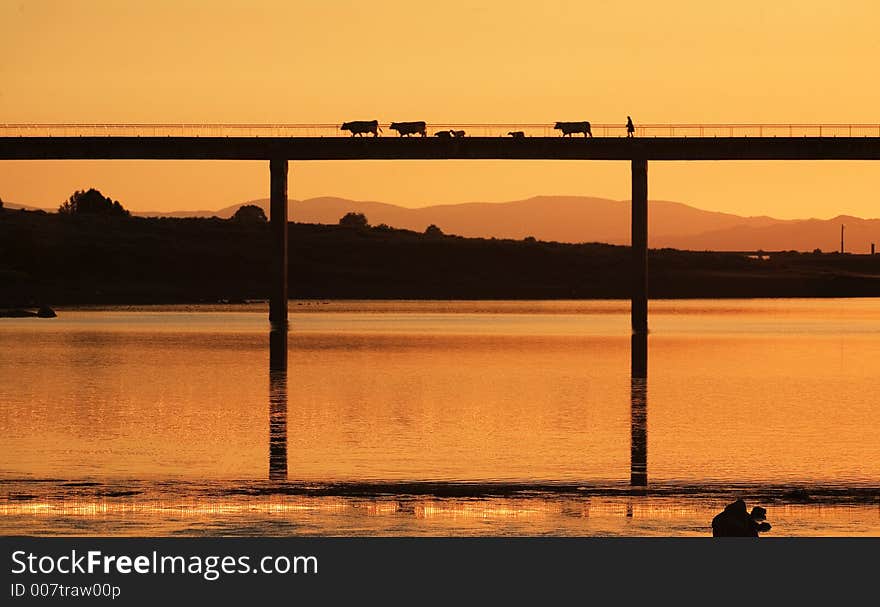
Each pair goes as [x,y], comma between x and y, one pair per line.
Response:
[441,418]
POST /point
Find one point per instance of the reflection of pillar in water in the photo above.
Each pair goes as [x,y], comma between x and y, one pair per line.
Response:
[278,349]
[278,405]
[278,425]
[639,410]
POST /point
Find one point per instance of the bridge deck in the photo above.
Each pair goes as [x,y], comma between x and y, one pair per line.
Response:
[430,148]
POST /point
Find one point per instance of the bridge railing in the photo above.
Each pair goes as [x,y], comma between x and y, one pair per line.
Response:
[170,130]
[471,130]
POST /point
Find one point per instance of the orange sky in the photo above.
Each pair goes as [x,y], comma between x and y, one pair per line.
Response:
[493,61]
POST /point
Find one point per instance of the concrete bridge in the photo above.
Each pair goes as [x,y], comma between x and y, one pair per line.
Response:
[280,144]
[27,142]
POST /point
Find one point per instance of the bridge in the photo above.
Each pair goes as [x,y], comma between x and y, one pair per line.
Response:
[471,129]
[281,143]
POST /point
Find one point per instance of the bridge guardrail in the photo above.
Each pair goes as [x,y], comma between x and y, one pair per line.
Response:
[473,130]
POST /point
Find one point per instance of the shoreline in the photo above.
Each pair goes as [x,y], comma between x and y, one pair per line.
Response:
[47,259]
[123,509]
[20,490]
[294,304]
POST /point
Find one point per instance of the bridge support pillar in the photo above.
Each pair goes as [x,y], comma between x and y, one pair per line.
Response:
[278,230]
[639,224]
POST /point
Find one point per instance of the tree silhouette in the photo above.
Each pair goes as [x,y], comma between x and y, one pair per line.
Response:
[92,202]
[250,213]
[433,230]
[354,220]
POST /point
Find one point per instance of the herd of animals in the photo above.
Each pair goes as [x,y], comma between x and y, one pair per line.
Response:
[407,129]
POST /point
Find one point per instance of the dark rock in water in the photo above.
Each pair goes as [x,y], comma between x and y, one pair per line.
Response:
[797,495]
[17,313]
[736,521]
[43,312]
[46,312]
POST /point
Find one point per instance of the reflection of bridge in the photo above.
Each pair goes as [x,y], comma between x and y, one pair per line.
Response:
[638,408]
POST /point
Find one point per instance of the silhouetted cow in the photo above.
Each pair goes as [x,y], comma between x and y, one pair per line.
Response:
[568,128]
[410,128]
[457,133]
[360,127]
[516,134]
[443,134]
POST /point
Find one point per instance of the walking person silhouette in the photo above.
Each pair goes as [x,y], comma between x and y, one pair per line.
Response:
[630,127]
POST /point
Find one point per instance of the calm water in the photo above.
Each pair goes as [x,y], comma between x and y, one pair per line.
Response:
[442,418]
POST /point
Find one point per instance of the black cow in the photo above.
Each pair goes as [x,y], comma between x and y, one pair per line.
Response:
[410,128]
[516,134]
[361,127]
[568,128]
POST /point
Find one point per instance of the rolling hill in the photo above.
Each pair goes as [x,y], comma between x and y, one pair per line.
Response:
[584,219]
[576,219]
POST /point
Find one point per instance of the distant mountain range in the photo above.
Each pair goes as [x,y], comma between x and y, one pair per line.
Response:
[584,219]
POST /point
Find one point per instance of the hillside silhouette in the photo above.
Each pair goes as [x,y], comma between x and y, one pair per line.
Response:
[59,259]
[583,219]
[577,219]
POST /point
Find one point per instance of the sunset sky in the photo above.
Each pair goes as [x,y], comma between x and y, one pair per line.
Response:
[677,61]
